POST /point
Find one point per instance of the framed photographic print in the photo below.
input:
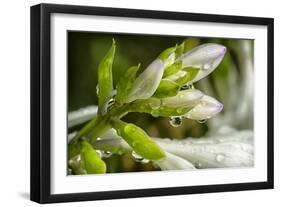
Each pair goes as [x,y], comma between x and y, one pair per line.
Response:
[133,103]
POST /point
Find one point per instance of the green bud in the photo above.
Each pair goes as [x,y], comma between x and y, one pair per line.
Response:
[91,160]
[138,140]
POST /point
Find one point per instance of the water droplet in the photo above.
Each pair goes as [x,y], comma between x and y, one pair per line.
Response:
[134,143]
[198,165]
[145,161]
[136,156]
[155,104]
[69,171]
[106,154]
[175,121]
[155,113]
[207,66]
[202,121]
[100,153]
[139,158]
[186,87]
[220,157]
[108,106]
[180,110]
[97,89]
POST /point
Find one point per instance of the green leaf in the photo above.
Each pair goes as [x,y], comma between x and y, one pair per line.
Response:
[105,81]
[138,140]
[190,43]
[173,68]
[179,50]
[190,75]
[166,53]
[91,160]
[125,84]
[166,88]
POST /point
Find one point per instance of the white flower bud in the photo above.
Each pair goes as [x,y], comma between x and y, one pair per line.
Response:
[147,82]
[206,57]
[205,109]
[186,98]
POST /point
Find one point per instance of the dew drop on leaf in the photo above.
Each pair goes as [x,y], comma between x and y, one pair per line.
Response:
[175,121]
[186,87]
[136,156]
[106,154]
[207,66]
[202,121]
[97,89]
[220,157]
[139,158]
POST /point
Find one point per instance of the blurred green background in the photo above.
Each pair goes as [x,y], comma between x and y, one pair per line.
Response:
[86,49]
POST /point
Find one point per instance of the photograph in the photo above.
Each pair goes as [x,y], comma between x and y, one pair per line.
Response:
[142,102]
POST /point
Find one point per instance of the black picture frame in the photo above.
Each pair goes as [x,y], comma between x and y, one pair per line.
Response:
[41,95]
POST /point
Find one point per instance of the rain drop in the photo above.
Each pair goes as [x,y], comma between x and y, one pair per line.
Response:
[186,87]
[202,121]
[100,153]
[199,165]
[155,113]
[145,161]
[155,104]
[139,158]
[220,157]
[207,66]
[109,104]
[175,121]
[106,154]
[180,110]
[136,155]
[97,89]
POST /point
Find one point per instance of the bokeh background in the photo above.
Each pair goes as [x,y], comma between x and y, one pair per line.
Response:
[231,83]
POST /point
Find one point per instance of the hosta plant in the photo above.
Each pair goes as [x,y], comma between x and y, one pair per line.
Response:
[163,89]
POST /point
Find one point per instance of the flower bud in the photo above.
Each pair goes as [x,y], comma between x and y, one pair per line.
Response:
[147,82]
[138,140]
[205,109]
[206,57]
[186,98]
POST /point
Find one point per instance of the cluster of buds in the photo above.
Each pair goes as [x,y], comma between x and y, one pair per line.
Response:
[165,87]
